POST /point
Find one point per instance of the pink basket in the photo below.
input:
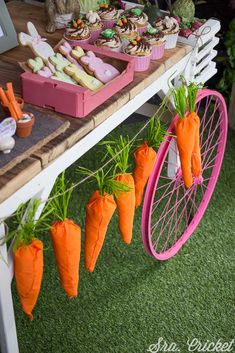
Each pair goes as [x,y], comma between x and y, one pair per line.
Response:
[75,100]
[108,23]
[141,30]
[95,35]
[158,51]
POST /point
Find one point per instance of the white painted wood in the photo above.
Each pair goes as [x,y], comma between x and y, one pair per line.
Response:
[206,74]
[8,337]
[203,52]
[205,62]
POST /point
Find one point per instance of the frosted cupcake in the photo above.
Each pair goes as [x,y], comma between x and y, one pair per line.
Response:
[108,14]
[170,27]
[125,28]
[157,40]
[77,32]
[94,24]
[141,51]
[137,16]
[109,39]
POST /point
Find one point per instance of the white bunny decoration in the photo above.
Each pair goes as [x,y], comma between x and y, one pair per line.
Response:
[36,43]
[7,130]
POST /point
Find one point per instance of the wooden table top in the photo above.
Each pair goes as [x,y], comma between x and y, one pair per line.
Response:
[10,70]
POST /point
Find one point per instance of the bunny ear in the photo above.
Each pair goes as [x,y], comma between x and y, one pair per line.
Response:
[90,54]
[32,30]
[67,45]
[24,38]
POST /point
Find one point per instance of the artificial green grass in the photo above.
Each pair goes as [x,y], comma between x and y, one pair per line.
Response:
[131,300]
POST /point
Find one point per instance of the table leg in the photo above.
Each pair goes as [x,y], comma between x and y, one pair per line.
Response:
[8,336]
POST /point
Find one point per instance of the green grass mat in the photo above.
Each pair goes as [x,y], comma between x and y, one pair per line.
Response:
[131,300]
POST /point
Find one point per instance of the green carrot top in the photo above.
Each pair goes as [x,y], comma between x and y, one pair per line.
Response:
[156,132]
[28,226]
[60,197]
[119,150]
[106,183]
[185,97]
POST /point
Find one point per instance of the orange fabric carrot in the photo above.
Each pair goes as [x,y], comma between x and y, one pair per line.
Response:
[196,155]
[66,237]
[126,207]
[185,130]
[99,212]
[145,158]
[66,240]
[28,267]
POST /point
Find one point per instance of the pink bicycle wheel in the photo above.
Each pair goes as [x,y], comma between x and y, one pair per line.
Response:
[171,212]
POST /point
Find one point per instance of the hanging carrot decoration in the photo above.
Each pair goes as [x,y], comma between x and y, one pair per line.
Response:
[187,131]
[99,211]
[145,157]
[119,150]
[196,155]
[28,255]
[66,238]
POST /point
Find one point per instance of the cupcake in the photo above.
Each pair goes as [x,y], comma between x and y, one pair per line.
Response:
[94,24]
[170,27]
[157,40]
[137,16]
[77,32]
[125,28]
[108,14]
[108,39]
[141,51]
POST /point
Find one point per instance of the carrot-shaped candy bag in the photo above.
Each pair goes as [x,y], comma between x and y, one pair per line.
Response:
[119,150]
[99,211]
[196,155]
[66,238]
[28,256]
[187,127]
[145,157]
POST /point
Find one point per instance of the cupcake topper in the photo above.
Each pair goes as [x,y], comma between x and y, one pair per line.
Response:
[136,11]
[151,30]
[136,40]
[103,3]
[77,23]
[108,33]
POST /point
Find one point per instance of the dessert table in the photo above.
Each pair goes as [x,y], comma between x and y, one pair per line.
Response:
[35,175]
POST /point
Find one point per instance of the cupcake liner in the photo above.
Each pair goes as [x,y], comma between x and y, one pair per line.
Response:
[108,23]
[171,40]
[95,35]
[141,63]
[141,29]
[158,51]
[75,42]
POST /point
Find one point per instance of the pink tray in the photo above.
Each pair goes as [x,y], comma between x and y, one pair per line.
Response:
[76,100]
